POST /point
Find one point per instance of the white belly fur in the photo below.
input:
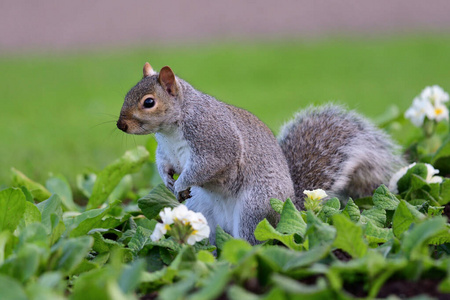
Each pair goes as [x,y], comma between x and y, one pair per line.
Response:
[176,149]
[217,209]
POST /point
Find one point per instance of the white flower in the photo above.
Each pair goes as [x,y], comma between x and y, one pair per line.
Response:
[159,231]
[315,194]
[440,112]
[181,213]
[430,104]
[435,94]
[166,215]
[200,228]
[191,227]
[420,108]
[431,171]
[430,175]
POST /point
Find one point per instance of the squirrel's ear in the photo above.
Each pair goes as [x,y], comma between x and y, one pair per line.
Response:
[148,70]
[167,80]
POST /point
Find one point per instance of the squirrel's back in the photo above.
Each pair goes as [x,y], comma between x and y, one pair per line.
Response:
[338,151]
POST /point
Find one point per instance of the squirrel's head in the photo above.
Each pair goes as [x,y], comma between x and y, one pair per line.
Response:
[151,105]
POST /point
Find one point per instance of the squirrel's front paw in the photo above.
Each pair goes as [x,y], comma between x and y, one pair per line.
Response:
[184,195]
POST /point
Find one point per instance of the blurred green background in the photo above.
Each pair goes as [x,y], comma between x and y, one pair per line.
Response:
[58,112]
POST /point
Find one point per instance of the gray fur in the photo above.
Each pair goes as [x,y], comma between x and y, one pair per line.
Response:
[338,151]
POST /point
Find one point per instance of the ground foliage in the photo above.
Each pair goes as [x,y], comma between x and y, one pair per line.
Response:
[53,247]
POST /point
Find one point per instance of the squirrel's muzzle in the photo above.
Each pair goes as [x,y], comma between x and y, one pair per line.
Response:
[122,125]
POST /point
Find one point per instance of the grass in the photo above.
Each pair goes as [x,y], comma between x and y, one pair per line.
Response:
[58,112]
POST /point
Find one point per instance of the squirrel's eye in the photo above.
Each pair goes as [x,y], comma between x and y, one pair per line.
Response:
[149,103]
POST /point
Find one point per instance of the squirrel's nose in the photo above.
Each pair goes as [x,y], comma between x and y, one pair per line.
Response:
[122,125]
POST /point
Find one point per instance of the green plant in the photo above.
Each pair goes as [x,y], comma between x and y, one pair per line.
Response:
[107,245]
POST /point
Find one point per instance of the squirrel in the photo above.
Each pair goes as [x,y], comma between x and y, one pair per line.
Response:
[230,164]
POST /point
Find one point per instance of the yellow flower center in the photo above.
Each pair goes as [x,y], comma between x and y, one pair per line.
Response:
[438,111]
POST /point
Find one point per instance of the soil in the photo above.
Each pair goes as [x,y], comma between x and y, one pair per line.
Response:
[404,289]
[150,296]
[447,212]
[342,255]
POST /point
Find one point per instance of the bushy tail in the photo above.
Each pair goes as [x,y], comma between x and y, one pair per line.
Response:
[339,151]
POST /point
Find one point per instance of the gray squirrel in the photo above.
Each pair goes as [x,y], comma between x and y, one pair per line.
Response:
[230,164]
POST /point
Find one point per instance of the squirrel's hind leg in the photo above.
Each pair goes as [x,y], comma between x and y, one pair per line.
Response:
[252,209]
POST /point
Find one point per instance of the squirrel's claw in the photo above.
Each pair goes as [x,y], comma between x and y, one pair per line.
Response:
[184,195]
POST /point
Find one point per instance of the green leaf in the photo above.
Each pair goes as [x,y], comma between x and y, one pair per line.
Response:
[444,286]
[167,243]
[12,208]
[156,200]
[402,219]
[123,187]
[416,239]
[33,234]
[71,252]
[24,263]
[139,240]
[214,285]
[4,238]
[59,185]
[102,245]
[85,183]
[11,289]
[364,203]
[441,159]
[275,258]
[52,280]
[110,176]
[318,233]
[384,199]
[27,194]
[349,236]
[146,223]
[85,222]
[31,214]
[307,258]
[376,215]
[234,250]
[445,192]
[277,205]
[417,182]
[205,256]
[404,183]
[264,231]
[49,207]
[39,192]
[92,285]
[330,208]
[375,235]
[351,210]
[299,290]
[178,290]
[441,238]
[58,228]
[49,286]
[221,237]
[235,292]
[291,220]
[130,276]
